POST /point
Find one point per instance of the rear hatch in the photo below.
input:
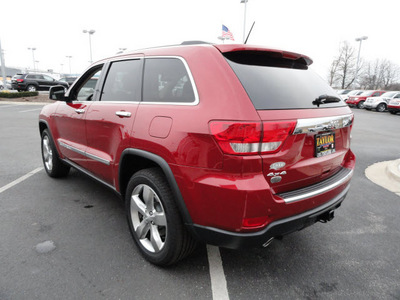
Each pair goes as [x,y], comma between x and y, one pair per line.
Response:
[305,124]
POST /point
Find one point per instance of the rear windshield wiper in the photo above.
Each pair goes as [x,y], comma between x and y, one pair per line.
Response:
[323,99]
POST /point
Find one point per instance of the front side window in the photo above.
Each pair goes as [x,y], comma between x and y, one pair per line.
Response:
[123,81]
[85,88]
[166,80]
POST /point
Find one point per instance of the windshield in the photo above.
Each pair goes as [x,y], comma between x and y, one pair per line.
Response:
[389,94]
[355,92]
[272,87]
[367,93]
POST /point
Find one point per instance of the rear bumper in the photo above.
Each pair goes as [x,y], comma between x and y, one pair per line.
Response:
[394,108]
[279,228]
[17,86]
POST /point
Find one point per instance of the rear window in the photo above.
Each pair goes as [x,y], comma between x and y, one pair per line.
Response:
[284,85]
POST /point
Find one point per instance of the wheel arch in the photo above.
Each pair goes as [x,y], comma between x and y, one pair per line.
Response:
[44,125]
[133,160]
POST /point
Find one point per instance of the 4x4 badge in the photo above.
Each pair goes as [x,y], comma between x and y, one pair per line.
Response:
[277,174]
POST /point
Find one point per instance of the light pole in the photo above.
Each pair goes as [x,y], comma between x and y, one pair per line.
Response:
[33,57]
[244,21]
[3,68]
[69,57]
[359,39]
[90,32]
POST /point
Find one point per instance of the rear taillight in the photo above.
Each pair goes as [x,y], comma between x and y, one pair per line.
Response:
[237,138]
[274,134]
[247,138]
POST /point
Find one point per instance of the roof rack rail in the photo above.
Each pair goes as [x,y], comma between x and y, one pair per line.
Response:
[194,43]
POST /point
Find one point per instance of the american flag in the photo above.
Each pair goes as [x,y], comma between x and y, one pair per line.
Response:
[226,34]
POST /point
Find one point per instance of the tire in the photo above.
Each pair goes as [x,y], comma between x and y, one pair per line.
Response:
[154,220]
[52,164]
[360,104]
[381,107]
[31,88]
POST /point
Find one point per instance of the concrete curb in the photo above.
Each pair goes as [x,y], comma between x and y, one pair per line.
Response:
[386,174]
[393,170]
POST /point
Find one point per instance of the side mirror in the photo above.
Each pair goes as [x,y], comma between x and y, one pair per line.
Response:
[57,93]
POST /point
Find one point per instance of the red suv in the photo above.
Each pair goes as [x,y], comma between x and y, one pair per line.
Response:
[231,145]
[359,100]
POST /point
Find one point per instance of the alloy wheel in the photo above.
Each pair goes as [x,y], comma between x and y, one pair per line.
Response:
[47,153]
[148,218]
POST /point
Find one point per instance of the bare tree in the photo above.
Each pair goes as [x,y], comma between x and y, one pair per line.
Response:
[343,67]
[390,74]
[380,74]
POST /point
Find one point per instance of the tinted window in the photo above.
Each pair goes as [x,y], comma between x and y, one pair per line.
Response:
[282,86]
[166,80]
[48,78]
[123,81]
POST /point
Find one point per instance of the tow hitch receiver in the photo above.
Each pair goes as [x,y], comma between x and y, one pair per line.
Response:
[326,217]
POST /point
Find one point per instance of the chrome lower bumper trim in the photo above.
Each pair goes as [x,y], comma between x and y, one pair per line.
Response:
[336,180]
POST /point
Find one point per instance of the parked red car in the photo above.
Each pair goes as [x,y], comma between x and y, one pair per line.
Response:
[231,145]
[359,100]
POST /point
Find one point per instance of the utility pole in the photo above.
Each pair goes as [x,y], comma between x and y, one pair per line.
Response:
[3,67]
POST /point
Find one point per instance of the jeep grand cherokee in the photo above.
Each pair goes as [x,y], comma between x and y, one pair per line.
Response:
[231,145]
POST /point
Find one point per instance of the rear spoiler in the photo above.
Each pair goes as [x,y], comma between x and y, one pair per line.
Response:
[254,55]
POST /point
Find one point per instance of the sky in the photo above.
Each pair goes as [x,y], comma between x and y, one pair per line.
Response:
[312,27]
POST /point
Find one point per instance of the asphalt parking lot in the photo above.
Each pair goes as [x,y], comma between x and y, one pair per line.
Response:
[68,238]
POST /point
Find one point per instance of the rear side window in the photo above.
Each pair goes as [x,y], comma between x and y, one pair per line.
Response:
[166,80]
[123,81]
[284,85]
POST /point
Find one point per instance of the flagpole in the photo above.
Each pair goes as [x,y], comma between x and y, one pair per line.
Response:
[244,21]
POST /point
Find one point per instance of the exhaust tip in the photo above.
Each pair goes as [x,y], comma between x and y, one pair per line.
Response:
[267,243]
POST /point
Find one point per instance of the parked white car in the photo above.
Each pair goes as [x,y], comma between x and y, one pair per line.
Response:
[352,93]
[380,103]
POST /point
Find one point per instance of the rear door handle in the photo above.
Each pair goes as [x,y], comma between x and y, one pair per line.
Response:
[123,114]
[79,111]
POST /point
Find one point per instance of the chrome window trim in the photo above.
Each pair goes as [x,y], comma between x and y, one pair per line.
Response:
[322,124]
[84,153]
[196,94]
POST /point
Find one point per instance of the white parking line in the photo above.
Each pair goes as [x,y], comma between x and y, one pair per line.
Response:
[23,111]
[218,281]
[22,178]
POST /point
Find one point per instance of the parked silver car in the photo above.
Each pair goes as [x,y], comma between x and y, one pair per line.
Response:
[380,103]
[352,93]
